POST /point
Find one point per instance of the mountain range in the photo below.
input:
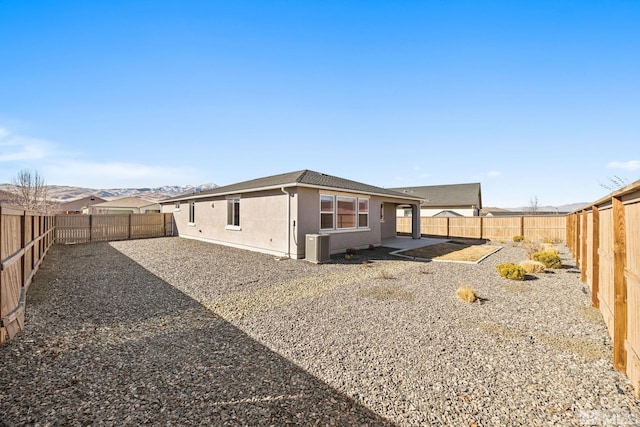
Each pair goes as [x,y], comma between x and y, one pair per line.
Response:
[62,194]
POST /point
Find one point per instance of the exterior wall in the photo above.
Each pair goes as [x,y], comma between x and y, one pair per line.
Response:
[388,227]
[263,222]
[309,222]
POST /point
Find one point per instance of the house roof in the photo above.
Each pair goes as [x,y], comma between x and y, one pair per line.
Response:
[303,178]
[125,202]
[446,195]
[78,204]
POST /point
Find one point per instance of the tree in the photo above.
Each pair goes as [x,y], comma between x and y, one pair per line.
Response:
[533,205]
[31,192]
[614,183]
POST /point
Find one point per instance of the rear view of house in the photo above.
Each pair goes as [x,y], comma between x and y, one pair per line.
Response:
[275,213]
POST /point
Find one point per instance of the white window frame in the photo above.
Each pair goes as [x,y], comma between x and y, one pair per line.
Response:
[231,214]
[192,213]
[381,211]
[335,199]
[358,213]
[332,213]
[176,207]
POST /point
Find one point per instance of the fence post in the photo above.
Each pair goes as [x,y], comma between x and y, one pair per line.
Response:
[619,286]
[522,225]
[595,258]
[448,230]
[481,231]
[129,235]
[90,227]
[23,237]
[583,249]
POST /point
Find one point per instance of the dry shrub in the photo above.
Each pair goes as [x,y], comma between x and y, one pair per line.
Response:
[549,247]
[533,267]
[518,238]
[424,271]
[466,293]
[531,247]
[384,274]
[386,293]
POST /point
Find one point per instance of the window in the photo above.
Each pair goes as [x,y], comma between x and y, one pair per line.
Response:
[233,212]
[363,213]
[176,207]
[346,212]
[342,212]
[326,213]
[192,212]
[381,212]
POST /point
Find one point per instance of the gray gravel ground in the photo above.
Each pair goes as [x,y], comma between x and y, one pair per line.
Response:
[179,332]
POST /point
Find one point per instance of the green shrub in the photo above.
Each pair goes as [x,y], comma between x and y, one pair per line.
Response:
[518,238]
[549,259]
[511,271]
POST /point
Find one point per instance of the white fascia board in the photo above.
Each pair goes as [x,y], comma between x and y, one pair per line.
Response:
[226,193]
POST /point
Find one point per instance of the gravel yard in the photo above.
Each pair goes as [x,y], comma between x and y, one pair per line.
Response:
[179,332]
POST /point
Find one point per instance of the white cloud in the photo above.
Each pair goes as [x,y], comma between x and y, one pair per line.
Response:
[494,173]
[20,148]
[630,165]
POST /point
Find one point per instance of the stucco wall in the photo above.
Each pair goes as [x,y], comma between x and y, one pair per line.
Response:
[309,222]
[263,222]
[388,226]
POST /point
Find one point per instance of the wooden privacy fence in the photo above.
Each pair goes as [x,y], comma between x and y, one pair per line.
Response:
[605,241]
[25,238]
[102,228]
[534,227]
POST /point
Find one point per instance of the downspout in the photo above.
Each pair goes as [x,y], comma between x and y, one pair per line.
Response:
[288,221]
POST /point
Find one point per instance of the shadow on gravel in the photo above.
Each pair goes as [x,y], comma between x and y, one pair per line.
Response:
[108,342]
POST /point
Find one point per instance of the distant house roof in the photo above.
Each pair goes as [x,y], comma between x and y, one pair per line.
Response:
[125,202]
[303,178]
[521,213]
[446,195]
[78,204]
[447,213]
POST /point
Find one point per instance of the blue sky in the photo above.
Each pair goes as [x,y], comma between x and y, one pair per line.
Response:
[529,98]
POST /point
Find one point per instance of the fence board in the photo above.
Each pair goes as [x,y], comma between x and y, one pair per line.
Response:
[535,227]
[609,251]
[102,228]
[23,244]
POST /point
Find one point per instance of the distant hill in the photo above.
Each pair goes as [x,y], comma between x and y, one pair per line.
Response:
[571,207]
[59,193]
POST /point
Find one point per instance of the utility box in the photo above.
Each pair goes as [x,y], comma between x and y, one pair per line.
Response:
[317,248]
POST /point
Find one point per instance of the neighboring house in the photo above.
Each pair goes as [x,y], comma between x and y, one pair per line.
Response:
[76,206]
[125,205]
[521,213]
[274,214]
[445,200]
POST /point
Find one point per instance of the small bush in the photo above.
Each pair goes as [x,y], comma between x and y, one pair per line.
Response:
[549,259]
[465,293]
[371,246]
[549,247]
[511,271]
[531,247]
[518,238]
[351,251]
[533,267]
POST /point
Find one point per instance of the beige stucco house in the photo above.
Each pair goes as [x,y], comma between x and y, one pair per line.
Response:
[445,200]
[274,214]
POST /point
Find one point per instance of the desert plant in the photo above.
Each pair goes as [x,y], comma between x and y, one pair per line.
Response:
[533,267]
[549,247]
[384,274]
[549,259]
[531,247]
[371,246]
[350,251]
[511,271]
[466,293]
[518,238]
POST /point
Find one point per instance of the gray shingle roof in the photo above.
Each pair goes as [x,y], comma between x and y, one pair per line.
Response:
[446,195]
[302,178]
